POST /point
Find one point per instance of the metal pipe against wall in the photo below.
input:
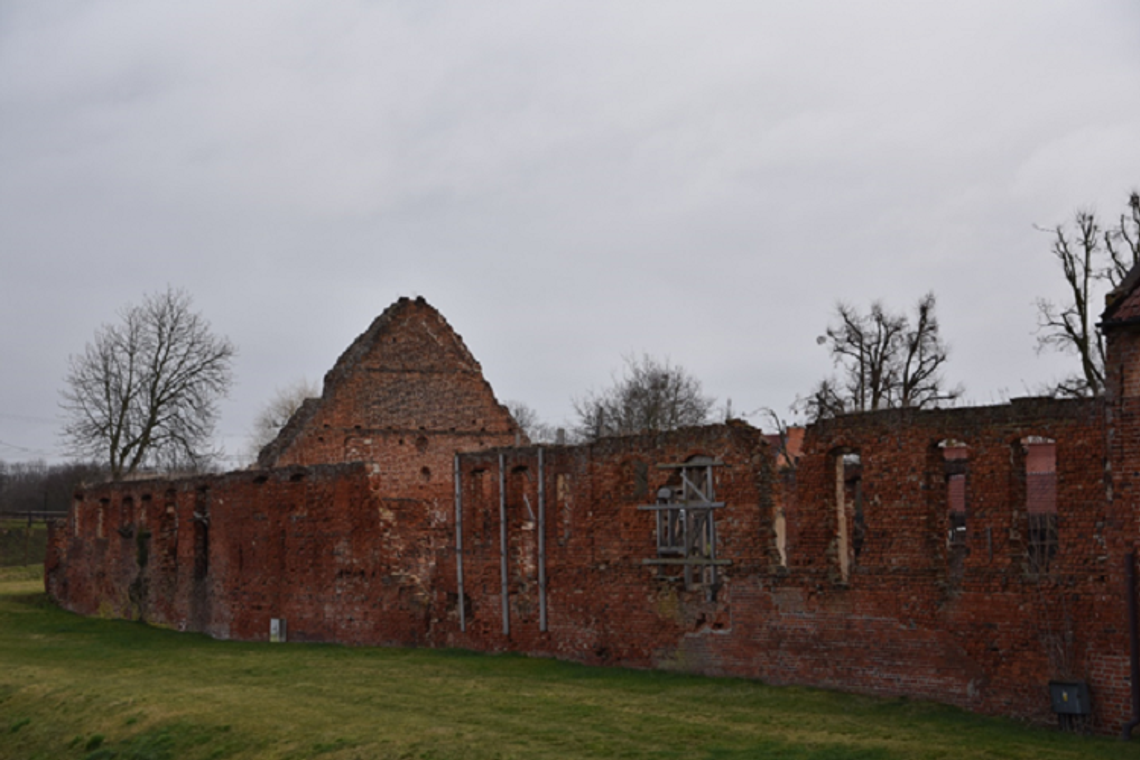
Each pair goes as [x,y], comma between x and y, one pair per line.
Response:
[459,547]
[1134,640]
[503,546]
[541,542]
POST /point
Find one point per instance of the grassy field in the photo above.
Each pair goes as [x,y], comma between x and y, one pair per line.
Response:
[16,543]
[73,687]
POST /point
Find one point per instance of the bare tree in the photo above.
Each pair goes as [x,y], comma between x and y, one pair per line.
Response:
[651,396]
[824,401]
[1093,261]
[278,411]
[530,424]
[919,378]
[1123,241]
[144,392]
[786,458]
[1070,327]
[886,361]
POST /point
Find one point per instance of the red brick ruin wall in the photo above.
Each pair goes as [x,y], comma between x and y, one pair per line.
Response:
[977,624]
[974,625]
[967,556]
[320,547]
[353,554]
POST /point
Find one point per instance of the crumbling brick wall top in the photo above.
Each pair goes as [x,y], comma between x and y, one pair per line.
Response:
[1122,305]
[409,372]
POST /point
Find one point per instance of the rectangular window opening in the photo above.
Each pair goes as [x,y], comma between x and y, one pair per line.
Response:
[956,504]
[1041,502]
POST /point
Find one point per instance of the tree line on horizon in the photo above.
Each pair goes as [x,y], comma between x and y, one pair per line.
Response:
[40,487]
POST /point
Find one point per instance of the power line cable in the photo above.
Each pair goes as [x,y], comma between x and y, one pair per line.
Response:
[26,450]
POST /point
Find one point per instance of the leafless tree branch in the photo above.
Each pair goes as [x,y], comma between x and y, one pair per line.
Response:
[144,391]
[1092,261]
[651,396]
[278,411]
[885,361]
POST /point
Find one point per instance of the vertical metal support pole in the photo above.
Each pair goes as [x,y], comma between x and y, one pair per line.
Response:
[459,547]
[710,591]
[541,541]
[503,546]
[710,489]
[689,541]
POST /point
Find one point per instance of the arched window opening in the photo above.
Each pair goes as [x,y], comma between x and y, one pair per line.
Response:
[639,471]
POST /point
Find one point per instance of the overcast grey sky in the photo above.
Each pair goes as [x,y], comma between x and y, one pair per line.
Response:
[566,182]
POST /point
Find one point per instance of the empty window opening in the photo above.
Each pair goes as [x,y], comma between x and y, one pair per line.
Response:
[202,534]
[168,528]
[670,524]
[479,497]
[780,525]
[955,456]
[640,472]
[104,504]
[479,485]
[853,494]
[201,550]
[853,483]
[686,526]
[75,510]
[956,507]
[127,516]
[519,500]
[562,483]
[1041,500]
[850,520]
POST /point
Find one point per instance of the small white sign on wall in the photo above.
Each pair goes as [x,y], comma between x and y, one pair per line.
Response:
[277,630]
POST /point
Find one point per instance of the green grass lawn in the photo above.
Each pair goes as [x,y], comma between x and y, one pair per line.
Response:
[73,687]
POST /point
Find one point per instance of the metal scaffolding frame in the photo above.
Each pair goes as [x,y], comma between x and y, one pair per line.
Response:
[686,524]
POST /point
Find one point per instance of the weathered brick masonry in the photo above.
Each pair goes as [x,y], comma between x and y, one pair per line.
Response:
[968,555]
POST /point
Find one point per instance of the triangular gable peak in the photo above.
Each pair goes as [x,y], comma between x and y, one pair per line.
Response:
[407,377]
